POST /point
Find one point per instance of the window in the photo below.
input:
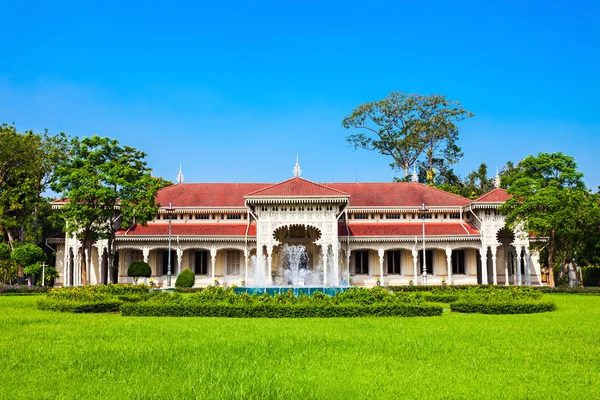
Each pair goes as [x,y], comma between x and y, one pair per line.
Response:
[429,260]
[458,262]
[202,216]
[393,261]
[233,262]
[361,216]
[234,216]
[393,216]
[201,262]
[362,262]
[165,262]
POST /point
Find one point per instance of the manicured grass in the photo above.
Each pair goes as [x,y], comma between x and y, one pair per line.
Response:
[45,354]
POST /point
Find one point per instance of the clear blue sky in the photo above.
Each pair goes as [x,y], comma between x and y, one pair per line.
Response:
[234,89]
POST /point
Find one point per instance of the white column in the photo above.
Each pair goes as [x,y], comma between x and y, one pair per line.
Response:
[146,254]
[99,277]
[381,253]
[336,262]
[246,265]
[506,277]
[527,267]
[179,259]
[213,260]
[484,272]
[348,255]
[495,280]
[518,269]
[324,256]
[415,254]
[449,264]
[483,256]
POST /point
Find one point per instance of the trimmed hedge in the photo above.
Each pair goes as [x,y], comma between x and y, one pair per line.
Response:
[139,269]
[441,297]
[570,290]
[275,310]
[96,292]
[185,279]
[79,306]
[502,307]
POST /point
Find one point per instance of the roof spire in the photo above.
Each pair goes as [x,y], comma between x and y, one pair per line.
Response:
[497,179]
[297,170]
[180,175]
[414,177]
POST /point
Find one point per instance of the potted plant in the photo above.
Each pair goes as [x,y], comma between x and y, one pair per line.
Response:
[443,282]
[411,283]
[216,282]
[243,282]
[378,282]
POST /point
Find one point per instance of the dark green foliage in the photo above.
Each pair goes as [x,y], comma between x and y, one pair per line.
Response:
[570,290]
[21,289]
[277,310]
[138,269]
[187,289]
[502,307]
[185,279]
[95,292]
[441,297]
[103,306]
[591,276]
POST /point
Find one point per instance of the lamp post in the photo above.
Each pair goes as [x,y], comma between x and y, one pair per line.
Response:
[424,257]
[170,214]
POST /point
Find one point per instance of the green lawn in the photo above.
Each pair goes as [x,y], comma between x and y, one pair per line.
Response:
[45,354]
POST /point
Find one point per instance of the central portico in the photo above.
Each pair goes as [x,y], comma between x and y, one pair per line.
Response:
[299,211]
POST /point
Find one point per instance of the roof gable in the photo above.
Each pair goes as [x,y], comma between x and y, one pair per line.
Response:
[297,187]
[497,195]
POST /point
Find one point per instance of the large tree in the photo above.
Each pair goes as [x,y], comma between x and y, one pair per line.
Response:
[550,200]
[107,186]
[406,127]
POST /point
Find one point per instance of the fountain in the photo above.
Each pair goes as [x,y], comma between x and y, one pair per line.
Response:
[294,274]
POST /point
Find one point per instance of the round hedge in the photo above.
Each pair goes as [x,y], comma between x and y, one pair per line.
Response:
[185,279]
[139,269]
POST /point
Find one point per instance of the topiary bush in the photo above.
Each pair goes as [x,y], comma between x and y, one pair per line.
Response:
[139,269]
[185,279]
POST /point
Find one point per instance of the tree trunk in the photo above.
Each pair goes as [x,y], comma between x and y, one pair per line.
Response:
[82,263]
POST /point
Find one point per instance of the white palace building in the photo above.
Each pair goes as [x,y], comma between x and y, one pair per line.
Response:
[364,233]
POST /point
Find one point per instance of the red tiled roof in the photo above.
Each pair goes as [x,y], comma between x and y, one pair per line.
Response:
[397,194]
[497,195]
[206,194]
[297,187]
[60,235]
[407,229]
[199,229]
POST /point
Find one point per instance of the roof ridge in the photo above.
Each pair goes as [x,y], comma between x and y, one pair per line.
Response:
[439,190]
[297,178]
[483,196]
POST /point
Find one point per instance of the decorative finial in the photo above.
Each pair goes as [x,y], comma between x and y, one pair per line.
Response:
[297,170]
[180,175]
[415,177]
[497,179]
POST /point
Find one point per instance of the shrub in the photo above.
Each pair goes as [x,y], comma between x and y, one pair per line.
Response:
[275,310]
[441,297]
[572,290]
[185,279]
[110,305]
[21,289]
[139,269]
[95,292]
[502,307]
[590,276]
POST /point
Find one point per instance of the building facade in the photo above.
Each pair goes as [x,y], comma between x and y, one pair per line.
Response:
[395,233]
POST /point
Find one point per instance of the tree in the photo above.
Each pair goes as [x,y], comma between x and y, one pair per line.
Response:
[26,256]
[108,186]
[8,268]
[139,269]
[550,200]
[404,126]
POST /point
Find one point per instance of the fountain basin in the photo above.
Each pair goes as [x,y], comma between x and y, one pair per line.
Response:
[306,290]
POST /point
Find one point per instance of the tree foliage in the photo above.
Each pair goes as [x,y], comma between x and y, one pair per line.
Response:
[406,127]
[550,200]
[107,186]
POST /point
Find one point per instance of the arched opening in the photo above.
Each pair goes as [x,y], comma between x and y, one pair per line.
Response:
[297,255]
